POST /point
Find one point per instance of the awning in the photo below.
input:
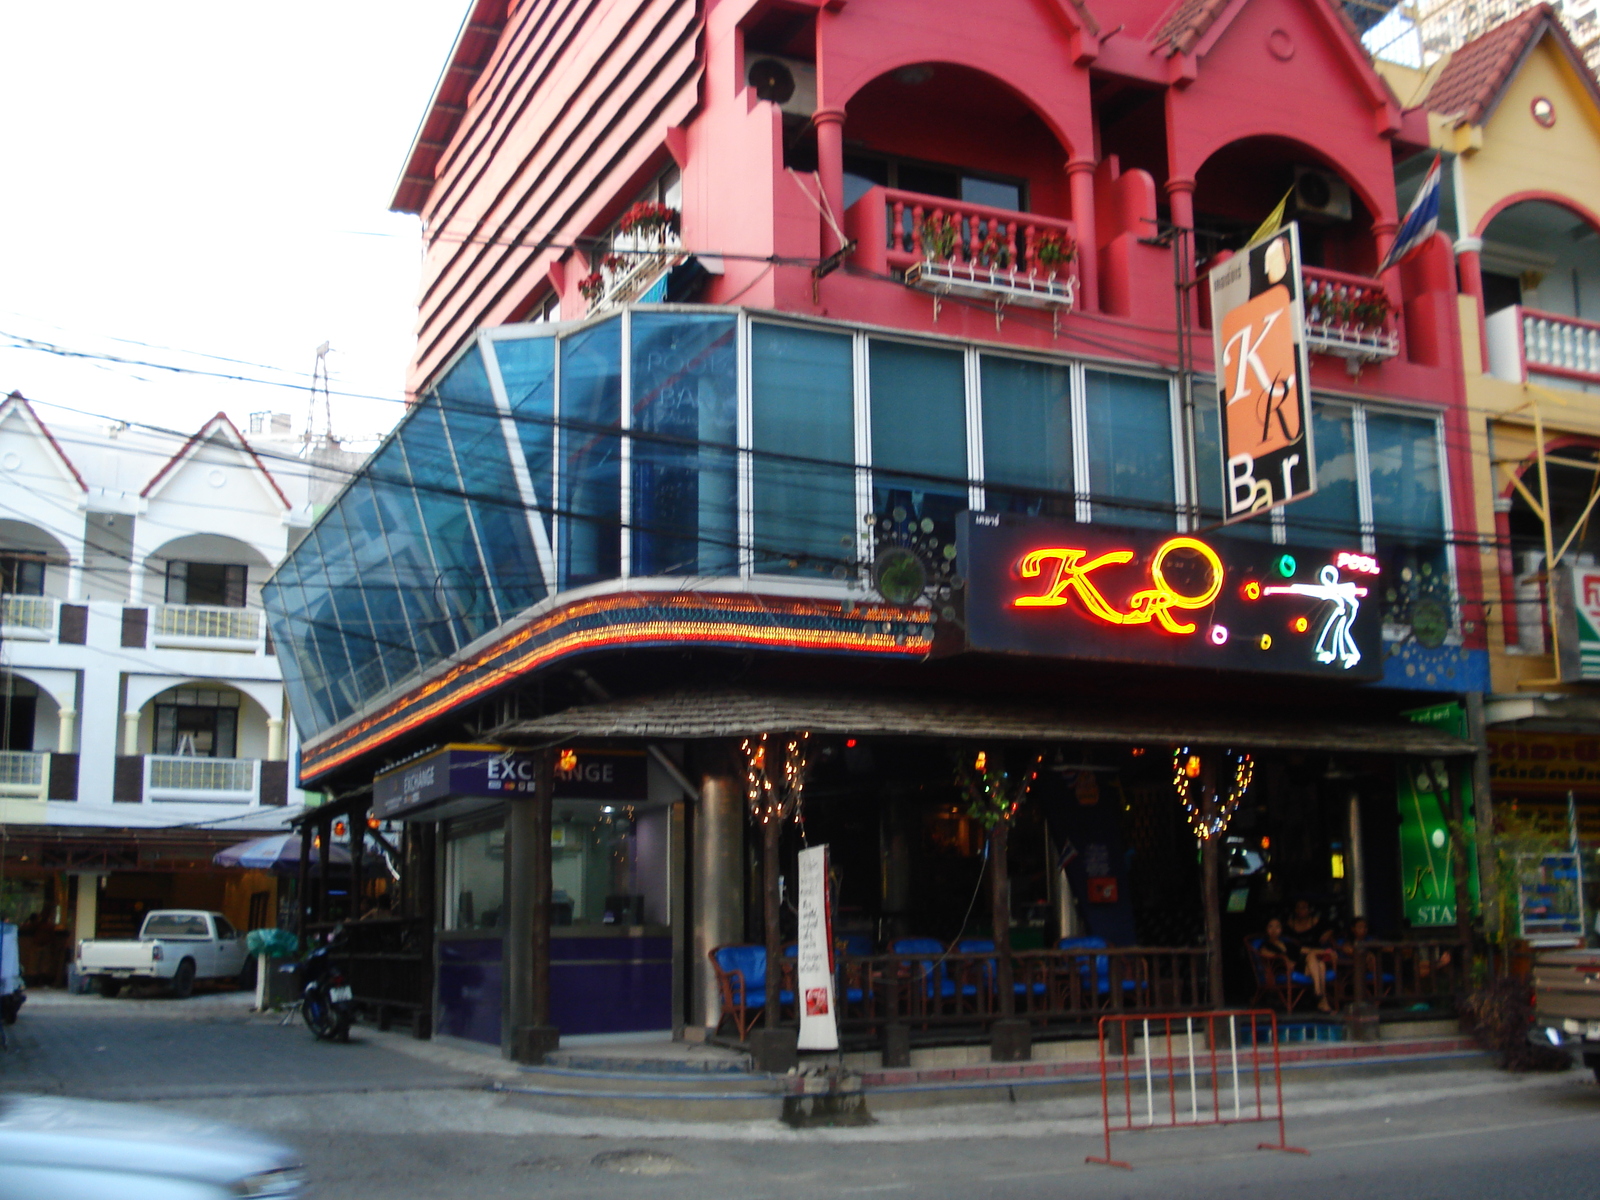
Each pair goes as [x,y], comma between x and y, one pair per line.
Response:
[737,713]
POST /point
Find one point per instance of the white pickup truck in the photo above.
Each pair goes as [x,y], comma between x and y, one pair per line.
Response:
[176,946]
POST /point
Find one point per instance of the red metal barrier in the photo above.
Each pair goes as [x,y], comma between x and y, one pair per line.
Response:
[1191,1069]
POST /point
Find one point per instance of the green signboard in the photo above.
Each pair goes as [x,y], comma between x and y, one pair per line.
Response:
[1427,865]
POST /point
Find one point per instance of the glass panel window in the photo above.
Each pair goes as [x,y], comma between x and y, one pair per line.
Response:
[478,441]
[200,731]
[391,624]
[1407,492]
[1209,473]
[1330,516]
[1027,436]
[474,864]
[919,434]
[459,587]
[1129,421]
[298,657]
[1408,517]
[685,406]
[803,438]
[528,371]
[410,557]
[21,575]
[591,455]
[220,585]
[322,629]
[594,859]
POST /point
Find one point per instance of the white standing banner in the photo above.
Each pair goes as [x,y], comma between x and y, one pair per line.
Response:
[819,1023]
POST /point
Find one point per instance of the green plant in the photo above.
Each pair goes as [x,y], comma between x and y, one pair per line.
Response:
[995,251]
[1054,249]
[591,287]
[938,233]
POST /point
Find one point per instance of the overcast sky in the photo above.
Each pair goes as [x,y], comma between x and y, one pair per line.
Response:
[185,178]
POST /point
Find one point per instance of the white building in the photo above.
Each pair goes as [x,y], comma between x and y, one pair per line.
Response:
[142,716]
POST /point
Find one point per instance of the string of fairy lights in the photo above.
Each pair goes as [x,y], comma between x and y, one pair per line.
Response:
[1209,820]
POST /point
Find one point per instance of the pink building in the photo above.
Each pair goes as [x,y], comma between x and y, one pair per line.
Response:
[845,366]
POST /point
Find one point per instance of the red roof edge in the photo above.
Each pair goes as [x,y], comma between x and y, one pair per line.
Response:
[221,419]
[447,105]
[21,402]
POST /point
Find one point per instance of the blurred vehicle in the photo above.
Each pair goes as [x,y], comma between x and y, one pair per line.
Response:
[175,946]
[1566,1004]
[55,1148]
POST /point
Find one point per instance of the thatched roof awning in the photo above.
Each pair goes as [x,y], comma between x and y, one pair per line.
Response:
[735,713]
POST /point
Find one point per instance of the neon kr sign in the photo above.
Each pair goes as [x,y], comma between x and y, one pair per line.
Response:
[1187,575]
[1156,603]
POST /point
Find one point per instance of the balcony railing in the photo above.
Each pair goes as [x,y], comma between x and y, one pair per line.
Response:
[946,246]
[1349,316]
[23,774]
[1556,345]
[28,617]
[200,627]
[186,777]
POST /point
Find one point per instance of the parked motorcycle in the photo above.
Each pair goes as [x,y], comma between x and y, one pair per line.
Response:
[326,1000]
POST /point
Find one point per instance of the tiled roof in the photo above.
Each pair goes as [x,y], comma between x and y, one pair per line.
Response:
[1472,82]
[1187,23]
[1475,74]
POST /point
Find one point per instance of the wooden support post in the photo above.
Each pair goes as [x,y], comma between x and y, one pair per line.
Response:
[1210,884]
[771,909]
[526,1032]
[302,891]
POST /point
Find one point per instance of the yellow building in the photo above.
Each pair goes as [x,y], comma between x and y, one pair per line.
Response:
[1516,115]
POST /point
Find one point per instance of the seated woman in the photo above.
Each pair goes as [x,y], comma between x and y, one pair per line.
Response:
[1287,951]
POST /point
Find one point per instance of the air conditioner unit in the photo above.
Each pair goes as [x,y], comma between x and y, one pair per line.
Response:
[1320,195]
[787,82]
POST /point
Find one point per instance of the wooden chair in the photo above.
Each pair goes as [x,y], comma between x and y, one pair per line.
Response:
[741,972]
[1278,983]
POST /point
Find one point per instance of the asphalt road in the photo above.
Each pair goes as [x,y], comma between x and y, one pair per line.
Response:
[374,1120]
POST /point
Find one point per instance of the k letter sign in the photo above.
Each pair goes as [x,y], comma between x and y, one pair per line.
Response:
[1263,376]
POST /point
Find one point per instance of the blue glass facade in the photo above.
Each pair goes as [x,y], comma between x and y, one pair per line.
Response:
[702,444]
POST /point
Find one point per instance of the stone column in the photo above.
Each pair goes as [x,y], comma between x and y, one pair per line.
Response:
[274,739]
[130,734]
[1469,269]
[1080,184]
[718,887]
[830,169]
[66,731]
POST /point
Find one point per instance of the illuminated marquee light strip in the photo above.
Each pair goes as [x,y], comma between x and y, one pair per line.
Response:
[819,632]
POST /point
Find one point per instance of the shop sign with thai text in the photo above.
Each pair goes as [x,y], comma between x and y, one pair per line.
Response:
[1057,588]
[1263,376]
[1543,764]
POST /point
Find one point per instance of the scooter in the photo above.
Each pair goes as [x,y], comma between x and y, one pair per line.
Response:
[326,1000]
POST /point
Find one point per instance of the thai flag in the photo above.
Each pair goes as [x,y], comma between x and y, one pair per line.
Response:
[1421,223]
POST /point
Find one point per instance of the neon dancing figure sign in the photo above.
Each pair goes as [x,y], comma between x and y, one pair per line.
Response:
[1215,603]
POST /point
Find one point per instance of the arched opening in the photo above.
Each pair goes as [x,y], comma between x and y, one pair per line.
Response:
[32,561]
[1240,184]
[955,133]
[1573,471]
[208,570]
[1543,256]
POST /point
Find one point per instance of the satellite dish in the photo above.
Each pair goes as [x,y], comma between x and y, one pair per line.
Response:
[771,80]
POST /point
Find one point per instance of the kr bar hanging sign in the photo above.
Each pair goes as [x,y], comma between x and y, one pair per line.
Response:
[1263,376]
[1056,588]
